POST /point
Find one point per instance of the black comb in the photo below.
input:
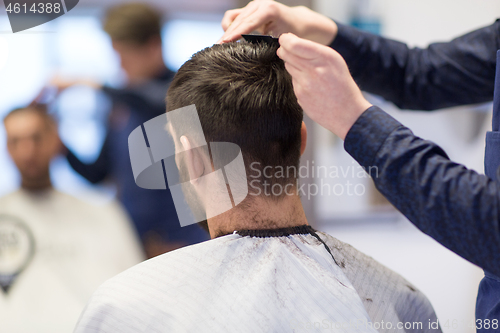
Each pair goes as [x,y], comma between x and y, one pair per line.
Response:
[255,39]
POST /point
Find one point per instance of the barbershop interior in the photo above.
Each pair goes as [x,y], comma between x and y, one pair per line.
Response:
[62,237]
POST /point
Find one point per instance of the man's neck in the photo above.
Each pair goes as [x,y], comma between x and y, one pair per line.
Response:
[37,185]
[259,213]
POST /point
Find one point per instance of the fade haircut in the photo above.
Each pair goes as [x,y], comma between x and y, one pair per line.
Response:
[134,23]
[243,95]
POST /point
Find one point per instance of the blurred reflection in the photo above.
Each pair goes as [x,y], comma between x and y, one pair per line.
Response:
[135,32]
[54,249]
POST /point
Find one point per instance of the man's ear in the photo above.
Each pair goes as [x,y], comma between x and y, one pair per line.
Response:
[194,161]
[303,137]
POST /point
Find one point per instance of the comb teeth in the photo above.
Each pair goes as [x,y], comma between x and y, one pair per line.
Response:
[255,39]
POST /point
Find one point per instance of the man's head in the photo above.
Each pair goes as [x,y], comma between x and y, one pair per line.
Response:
[243,95]
[32,142]
[135,31]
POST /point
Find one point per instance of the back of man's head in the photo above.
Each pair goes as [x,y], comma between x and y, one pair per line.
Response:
[244,95]
[134,23]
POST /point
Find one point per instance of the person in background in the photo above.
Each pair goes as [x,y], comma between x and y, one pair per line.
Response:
[135,31]
[55,250]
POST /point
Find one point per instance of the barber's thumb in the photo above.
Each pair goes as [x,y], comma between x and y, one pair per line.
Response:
[300,47]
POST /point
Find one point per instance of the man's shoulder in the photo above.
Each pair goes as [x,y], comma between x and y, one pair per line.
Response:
[18,198]
[362,270]
[146,291]
[385,294]
[159,272]
[5,195]
[350,258]
[10,195]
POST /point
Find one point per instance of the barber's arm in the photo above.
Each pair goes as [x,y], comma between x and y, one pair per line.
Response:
[458,72]
[94,172]
[456,206]
[273,18]
[148,98]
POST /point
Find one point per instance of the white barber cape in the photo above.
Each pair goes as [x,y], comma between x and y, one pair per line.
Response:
[233,283]
[76,247]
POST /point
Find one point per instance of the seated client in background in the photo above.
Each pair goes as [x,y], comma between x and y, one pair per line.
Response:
[55,250]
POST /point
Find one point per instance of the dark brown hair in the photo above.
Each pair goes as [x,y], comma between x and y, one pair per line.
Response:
[133,23]
[38,109]
[243,95]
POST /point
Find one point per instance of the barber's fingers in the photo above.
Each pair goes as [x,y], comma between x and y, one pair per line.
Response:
[294,71]
[247,20]
[258,15]
[299,78]
[293,60]
[242,20]
[229,17]
[303,48]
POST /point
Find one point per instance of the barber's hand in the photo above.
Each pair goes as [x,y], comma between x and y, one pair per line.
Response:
[322,83]
[273,18]
[58,84]
[61,83]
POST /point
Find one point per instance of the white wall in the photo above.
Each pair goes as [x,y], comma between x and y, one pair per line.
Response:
[419,22]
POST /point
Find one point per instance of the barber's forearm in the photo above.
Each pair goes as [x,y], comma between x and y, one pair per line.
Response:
[459,72]
[317,27]
[377,64]
[457,207]
[93,172]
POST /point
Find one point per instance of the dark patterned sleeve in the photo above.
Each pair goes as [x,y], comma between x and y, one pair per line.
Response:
[458,72]
[94,172]
[457,207]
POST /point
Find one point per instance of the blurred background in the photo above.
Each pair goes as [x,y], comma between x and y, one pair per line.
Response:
[75,46]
